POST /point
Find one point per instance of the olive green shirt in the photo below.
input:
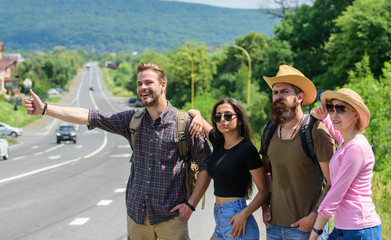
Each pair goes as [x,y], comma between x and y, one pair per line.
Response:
[294,188]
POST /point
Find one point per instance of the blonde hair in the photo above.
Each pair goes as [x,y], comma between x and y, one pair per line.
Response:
[162,75]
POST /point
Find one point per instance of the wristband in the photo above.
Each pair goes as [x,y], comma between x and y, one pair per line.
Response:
[319,232]
[190,206]
[45,108]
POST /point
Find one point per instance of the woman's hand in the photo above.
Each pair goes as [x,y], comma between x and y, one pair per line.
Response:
[239,225]
[320,112]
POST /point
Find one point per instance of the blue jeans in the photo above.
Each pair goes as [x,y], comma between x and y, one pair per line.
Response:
[373,233]
[223,214]
[275,232]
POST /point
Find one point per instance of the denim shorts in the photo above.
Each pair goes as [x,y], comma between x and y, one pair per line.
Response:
[223,214]
[373,233]
[275,232]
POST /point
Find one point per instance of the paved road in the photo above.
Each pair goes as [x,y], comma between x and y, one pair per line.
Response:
[75,191]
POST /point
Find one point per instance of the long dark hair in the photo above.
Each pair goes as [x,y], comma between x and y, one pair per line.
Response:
[244,128]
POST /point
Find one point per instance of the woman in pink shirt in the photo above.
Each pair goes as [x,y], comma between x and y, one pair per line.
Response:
[351,169]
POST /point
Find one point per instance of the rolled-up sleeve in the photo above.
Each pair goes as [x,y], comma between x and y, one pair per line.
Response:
[200,150]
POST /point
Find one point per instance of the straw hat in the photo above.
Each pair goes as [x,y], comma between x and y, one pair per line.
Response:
[352,98]
[288,74]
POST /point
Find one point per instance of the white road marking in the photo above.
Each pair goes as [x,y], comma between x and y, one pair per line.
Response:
[100,148]
[34,147]
[18,158]
[123,146]
[55,157]
[38,170]
[49,150]
[79,221]
[104,203]
[120,190]
[79,146]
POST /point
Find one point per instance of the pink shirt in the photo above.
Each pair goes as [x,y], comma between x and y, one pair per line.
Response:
[351,176]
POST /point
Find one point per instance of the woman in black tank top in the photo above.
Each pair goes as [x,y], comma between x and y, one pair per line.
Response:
[233,165]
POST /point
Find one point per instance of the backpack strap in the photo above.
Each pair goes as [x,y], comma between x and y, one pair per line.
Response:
[307,144]
[134,124]
[268,132]
[181,138]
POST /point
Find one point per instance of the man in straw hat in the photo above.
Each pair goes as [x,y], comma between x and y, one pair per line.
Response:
[295,196]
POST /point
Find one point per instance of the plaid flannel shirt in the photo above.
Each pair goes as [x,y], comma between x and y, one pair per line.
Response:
[157,180]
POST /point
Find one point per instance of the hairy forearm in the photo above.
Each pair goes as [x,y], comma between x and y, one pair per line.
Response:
[322,196]
[200,188]
[74,115]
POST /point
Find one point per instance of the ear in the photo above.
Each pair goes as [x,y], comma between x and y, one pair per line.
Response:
[164,85]
[300,97]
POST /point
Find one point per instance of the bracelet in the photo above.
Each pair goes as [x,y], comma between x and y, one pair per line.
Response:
[190,206]
[45,108]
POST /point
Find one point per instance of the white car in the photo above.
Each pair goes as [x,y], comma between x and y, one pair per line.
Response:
[3,147]
[53,92]
[12,131]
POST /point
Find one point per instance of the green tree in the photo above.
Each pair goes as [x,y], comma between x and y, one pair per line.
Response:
[365,28]
[376,94]
[307,29]
[179,87]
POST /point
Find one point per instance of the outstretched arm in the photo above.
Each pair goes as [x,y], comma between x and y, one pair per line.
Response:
[198,124]
[35,106]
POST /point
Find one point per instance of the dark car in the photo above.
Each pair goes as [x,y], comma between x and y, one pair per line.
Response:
[132,100]
[138,104]
[66,133]
[92,88]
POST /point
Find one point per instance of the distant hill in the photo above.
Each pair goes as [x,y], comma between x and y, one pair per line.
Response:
[118,25]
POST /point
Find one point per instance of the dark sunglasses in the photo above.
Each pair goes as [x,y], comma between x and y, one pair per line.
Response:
[228,117]
[339,108]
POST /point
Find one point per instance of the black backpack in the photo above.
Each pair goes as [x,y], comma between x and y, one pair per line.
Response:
[306,143]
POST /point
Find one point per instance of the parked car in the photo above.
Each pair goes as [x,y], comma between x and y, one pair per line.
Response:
[132,100]
[138,104]
[53,92]
[92,88]
[66,132]
[3,147]
[11,131]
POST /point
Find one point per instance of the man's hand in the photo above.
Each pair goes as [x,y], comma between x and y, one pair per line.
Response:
[267,216]
[184,211]
[306,223]
[34,105]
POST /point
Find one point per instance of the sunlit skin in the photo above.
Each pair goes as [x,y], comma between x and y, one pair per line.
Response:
[149,89]
[286,92]
[345,121]
[224,126]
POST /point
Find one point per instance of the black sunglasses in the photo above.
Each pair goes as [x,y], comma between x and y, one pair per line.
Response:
[339,108]
[228,117]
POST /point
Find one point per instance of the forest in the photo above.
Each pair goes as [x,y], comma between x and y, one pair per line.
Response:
[137,25]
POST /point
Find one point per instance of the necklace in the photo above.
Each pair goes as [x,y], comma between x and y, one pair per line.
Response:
[293,133]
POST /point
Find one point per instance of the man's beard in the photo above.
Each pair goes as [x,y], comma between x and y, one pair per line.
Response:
[151,102]
[281,113]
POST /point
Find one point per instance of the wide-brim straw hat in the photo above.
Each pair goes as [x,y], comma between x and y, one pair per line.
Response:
[288,74]
[353,99]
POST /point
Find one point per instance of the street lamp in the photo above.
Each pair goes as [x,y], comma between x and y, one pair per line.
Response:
[192,77]
[249,72]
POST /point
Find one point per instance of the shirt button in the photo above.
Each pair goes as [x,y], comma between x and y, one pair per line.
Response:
[147,182]
[149,168]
